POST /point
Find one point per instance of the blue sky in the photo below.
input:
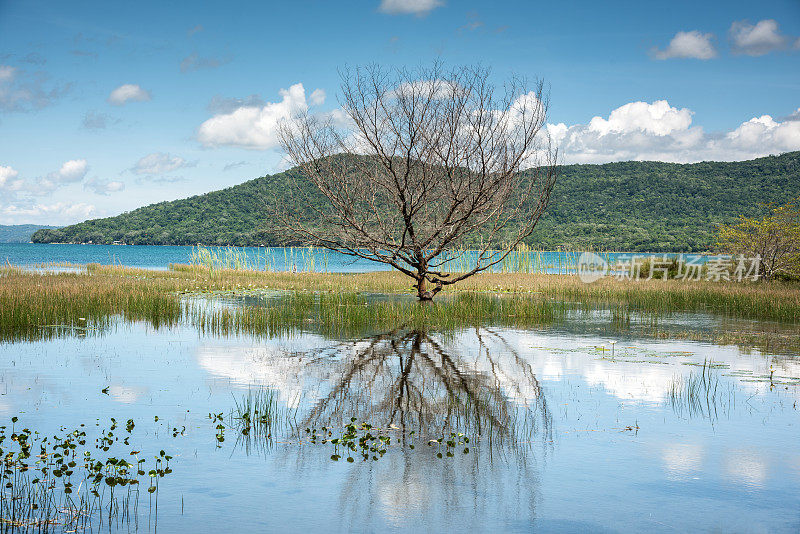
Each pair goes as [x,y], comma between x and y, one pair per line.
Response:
[106,107]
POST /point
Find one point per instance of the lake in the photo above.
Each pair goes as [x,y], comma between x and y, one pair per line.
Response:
[578,426]
[275,259]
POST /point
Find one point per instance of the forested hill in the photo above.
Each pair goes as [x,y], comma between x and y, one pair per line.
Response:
[631,206]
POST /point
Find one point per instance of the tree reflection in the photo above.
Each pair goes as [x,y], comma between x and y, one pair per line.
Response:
[409,380]
[473,382]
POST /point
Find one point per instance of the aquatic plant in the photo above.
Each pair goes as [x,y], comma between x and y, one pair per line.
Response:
[40,306]
[700,394]
[61,481]
[295,259]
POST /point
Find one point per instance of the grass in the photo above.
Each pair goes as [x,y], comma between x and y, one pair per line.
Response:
[35,305]
[700,394]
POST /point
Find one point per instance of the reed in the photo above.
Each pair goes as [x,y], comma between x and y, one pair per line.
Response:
[295,259]
[36,305]
[700,394]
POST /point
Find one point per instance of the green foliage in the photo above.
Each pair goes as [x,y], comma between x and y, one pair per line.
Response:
[775,238]
[629,206]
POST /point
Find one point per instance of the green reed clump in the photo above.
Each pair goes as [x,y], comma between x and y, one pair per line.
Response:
[295,259]
[41,306]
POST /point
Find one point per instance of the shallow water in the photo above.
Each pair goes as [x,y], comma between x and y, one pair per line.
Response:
[569,432]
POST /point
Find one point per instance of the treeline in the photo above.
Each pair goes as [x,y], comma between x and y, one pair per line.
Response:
[630,206]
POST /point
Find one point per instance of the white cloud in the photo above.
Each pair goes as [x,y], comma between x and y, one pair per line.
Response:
[59,212]
[72,171]
[159,163]
[758,39]
[7,179]
[660,132]
[256,127]
[765,131]
[692,44]
[658,118]
[102,186]
[409,7]
[317,97]
[128,93]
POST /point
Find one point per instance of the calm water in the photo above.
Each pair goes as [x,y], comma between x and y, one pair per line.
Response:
[159,257]
[581,440]
[278,259]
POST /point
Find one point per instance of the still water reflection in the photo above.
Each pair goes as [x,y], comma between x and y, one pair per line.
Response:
[569,432]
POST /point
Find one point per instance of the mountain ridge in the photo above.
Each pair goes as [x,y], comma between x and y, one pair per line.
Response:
[634,206]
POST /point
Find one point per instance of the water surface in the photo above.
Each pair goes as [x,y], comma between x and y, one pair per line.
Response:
[570,432]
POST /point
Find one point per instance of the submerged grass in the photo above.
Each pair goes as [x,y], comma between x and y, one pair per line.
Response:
[36,305]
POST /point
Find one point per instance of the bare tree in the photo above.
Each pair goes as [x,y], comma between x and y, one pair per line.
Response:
[420,163]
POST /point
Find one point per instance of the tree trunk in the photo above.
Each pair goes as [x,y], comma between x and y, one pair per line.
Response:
[422,293]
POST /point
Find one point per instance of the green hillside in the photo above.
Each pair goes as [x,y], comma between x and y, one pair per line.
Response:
[632,206]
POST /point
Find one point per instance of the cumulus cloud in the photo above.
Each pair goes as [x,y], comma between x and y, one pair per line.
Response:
[71,171]
[128,93]
[661,132]
[8,181]
[159,163]
[658,118]
[692,44]
[102,186]
[765,131]
[24,91]
[409,7]
[756,39]
[195,62]
[196,29]
[256,127]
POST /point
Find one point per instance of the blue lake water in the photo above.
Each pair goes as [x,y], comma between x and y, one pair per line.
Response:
[276,259]
[566,436]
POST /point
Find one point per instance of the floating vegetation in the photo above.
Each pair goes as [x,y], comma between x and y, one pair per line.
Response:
[371,442]
[257,417]
[67,482]
[356,438]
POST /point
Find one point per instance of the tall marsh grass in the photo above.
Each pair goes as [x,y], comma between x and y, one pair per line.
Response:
[41,305]
[295,259]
